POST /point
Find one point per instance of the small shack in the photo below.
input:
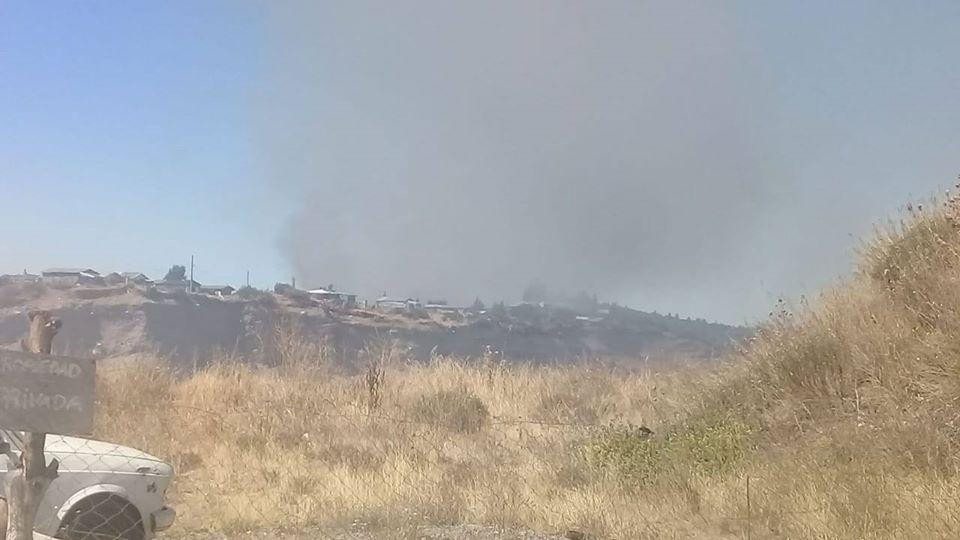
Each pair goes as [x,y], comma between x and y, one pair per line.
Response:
[12,279]
[179,285]
[113,279]
[337,298]
[70,277]
[390,304]
[135,278]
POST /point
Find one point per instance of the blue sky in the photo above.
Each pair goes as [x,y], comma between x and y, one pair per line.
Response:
[125,141]
[700,158]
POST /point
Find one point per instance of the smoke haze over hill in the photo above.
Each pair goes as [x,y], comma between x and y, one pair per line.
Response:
[647,152]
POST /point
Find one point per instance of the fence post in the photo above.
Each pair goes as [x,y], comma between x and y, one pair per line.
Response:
[26,484]
[749,522]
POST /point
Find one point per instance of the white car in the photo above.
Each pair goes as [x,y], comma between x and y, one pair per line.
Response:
[102,491]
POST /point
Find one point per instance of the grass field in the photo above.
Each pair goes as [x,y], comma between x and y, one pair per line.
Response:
[842,415]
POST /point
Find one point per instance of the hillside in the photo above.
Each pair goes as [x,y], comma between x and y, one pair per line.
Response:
[120,321]
[838,420]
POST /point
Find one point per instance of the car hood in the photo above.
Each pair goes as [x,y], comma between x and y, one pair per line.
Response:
[89,453]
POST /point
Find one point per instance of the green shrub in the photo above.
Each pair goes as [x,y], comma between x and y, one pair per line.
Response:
[249,293]
[630,451]
[708,445]
[713,446]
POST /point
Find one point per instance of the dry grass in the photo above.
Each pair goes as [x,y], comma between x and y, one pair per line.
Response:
[844,415]
[447,444]
[20,294]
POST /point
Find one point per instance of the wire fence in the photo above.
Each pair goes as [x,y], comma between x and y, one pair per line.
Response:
[102,490]
[378,474]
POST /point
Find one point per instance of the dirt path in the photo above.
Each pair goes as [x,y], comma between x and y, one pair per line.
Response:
[432,532]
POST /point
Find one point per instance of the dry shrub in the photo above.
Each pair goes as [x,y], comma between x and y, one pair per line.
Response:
[457,410]
[580,397]
[292,351]
[915,260]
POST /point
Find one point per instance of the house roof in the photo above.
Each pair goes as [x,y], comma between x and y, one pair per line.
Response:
[325,291]
[132,274]
[444,307]
[71,271]
[178,283]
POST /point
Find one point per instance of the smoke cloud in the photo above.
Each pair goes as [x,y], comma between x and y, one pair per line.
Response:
[445,150]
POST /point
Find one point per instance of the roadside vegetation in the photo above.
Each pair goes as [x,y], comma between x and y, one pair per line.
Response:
[841,413]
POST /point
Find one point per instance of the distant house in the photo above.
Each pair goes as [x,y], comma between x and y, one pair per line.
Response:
[444,308]
[216,290]
[385,303]
[135,278]
[113,278]
[69,277]
[342,299]
[10,279]
[180,285]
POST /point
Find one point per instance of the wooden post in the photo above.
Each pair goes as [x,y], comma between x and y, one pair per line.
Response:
[26,484]
[749,517]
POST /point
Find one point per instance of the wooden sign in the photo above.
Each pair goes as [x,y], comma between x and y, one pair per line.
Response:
[46,394]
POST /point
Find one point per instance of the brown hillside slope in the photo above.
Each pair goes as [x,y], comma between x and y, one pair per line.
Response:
[843,418]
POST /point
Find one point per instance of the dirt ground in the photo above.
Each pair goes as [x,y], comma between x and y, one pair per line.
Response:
[433,532]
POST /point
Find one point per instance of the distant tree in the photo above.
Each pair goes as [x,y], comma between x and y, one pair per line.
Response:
[499,310]
[536,291]
[177,272]
[477,305]
[248,293]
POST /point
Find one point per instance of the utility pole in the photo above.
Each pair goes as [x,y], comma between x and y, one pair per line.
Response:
[248,278]
[190,286]
[293,282]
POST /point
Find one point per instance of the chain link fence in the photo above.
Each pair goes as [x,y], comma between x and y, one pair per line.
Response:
[263,454]
[102,490]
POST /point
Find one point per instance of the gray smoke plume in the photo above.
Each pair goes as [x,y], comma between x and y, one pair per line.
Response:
[440,149]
